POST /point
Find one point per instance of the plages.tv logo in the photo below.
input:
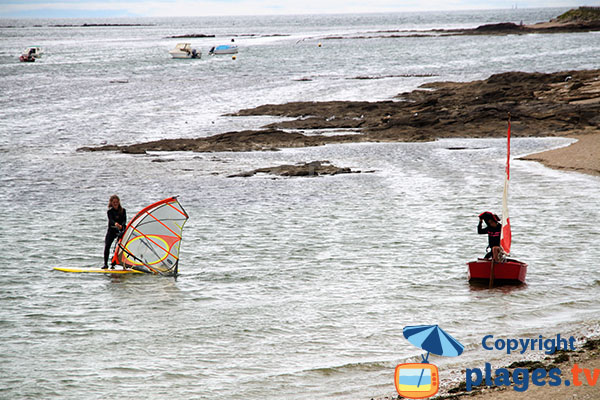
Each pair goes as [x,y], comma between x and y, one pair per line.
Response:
[421,380]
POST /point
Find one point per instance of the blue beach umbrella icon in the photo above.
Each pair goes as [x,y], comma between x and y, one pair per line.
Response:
[432,339]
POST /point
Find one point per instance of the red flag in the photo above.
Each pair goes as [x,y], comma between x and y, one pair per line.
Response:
[505,235]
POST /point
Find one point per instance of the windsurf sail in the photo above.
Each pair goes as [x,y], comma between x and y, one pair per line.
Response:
[505,234]
[152,238]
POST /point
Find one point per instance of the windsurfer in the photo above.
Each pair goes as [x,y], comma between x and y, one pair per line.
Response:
[493,229]
[117,217]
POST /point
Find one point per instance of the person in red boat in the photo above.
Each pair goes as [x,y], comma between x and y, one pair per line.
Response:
[117,218]
[492,229]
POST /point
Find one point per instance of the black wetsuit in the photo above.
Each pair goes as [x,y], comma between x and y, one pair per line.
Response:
[493,235]
[113,232]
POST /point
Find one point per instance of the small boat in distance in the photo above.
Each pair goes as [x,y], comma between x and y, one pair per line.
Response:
[223,49]
[184,50]
[31,53]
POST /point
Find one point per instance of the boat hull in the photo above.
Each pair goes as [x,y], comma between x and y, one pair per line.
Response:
[224,49]
[227,51]
[182,55]
[185,50]
[511,271]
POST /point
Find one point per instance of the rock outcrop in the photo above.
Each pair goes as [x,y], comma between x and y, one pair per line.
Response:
[313,168]
[555,104]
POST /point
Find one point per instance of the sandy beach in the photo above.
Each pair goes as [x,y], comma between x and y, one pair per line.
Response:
[582,156]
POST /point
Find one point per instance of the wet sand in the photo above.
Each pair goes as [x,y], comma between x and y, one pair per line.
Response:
[581,156]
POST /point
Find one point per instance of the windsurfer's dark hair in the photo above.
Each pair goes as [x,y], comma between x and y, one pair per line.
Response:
[114,196]
[488,216]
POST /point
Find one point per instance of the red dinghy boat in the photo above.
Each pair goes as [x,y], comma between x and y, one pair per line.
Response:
[510,271]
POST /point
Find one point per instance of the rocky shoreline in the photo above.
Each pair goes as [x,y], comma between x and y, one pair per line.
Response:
[554,104]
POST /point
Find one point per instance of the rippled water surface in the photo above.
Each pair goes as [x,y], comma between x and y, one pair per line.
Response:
[289,288]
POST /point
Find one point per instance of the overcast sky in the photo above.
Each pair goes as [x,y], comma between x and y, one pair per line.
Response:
[160,8]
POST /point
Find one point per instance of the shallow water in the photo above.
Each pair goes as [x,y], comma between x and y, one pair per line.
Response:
[289,288]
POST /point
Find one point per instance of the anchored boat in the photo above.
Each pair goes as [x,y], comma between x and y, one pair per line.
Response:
[185,50]
[30,54]
[223,49]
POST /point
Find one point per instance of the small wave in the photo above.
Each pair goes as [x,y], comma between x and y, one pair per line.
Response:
[176,375]
[352,367]
[127,370]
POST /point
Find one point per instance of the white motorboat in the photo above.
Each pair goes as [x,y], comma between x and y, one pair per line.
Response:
[185,50]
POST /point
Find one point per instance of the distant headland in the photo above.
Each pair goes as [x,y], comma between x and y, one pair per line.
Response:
[582,19]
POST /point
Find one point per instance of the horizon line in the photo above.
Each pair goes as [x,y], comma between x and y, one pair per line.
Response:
[282,14]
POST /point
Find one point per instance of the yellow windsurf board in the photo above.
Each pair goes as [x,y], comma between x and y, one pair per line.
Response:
[117,270]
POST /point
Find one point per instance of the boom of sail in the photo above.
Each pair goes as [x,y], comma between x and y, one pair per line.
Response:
[152,239]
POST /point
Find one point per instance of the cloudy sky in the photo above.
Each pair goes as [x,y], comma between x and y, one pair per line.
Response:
[156,8]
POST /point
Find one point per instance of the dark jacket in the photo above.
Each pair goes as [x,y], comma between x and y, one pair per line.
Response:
[115,216]
[492,232]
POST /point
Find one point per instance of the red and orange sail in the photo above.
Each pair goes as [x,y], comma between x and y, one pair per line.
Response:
[505,235]
[152,238]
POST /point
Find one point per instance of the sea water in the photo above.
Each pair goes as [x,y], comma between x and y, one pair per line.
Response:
[291,288]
